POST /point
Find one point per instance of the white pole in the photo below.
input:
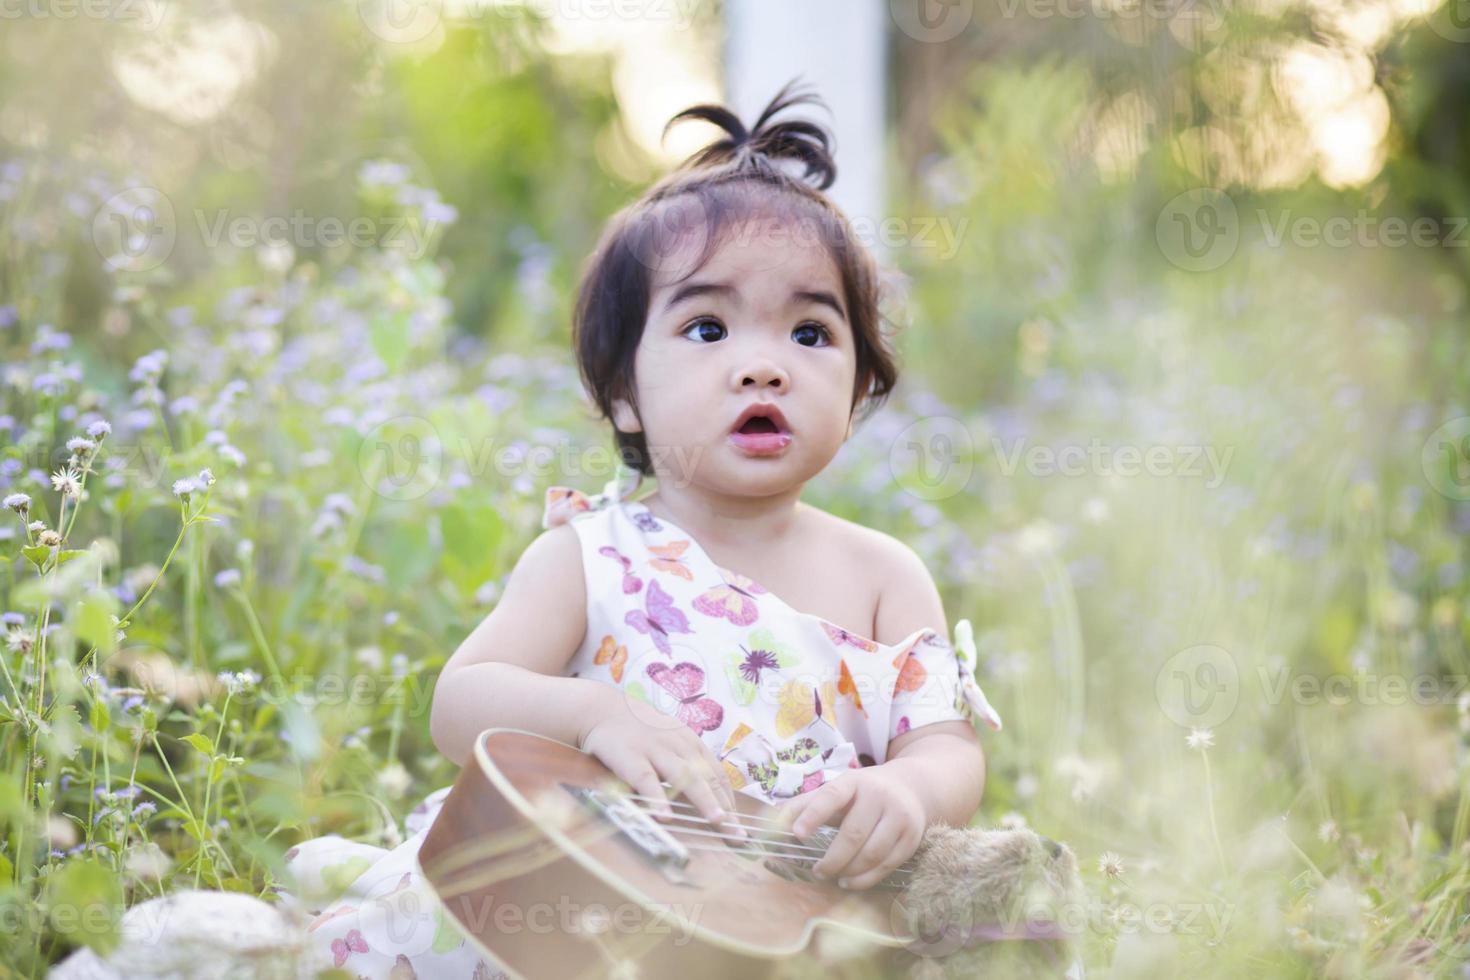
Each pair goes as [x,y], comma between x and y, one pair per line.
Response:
[839,50]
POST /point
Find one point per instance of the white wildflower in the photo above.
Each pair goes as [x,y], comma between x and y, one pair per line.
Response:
[394,780]
[227,578]
[68,482]
[99,430]
[183,488]
[18,502]
[79,447]
[237,683]
[1327,832]
[205,478]
[50,539]
[1110,864]
[1200,738]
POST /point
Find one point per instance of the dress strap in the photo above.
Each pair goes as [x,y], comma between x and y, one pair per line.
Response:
[564,503]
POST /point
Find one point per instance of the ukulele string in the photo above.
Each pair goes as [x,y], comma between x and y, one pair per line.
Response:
[786,850]
[898,875]
[736,818]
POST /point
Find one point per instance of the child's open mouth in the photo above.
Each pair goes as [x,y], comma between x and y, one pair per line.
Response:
[762,432]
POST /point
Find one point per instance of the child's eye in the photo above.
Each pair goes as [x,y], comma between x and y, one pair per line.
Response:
[812,329]
[705,322]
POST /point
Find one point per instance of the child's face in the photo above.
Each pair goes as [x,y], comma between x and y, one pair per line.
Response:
[705,357]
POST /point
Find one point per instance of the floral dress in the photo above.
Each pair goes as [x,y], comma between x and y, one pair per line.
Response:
[787,700]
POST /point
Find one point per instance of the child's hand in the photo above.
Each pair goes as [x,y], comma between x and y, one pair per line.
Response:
[881,829]
[642,745]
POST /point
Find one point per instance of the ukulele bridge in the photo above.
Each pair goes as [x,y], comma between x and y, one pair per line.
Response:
[638,829]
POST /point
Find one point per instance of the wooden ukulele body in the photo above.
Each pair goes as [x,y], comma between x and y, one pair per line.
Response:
[551,888]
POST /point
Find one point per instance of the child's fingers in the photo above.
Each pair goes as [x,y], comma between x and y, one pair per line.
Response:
[825,802]
[879,855]
[692,781]
[646,783]
[852,834]
[721,780]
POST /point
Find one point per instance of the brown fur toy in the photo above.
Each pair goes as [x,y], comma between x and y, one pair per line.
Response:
[990,903]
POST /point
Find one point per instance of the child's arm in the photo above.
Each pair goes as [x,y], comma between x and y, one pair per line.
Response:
[508,673]
[931,774]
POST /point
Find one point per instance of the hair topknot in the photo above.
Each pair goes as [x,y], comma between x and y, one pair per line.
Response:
[756,149]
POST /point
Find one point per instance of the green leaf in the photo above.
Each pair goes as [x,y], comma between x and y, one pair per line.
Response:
[199,742]
[65,556]
[37,553]
[99,716]
[84,902]
[94,615]
[389,336]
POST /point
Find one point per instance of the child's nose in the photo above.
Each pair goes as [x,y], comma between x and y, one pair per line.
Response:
[764,373]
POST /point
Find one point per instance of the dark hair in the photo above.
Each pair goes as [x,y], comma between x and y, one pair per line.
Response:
[738,177]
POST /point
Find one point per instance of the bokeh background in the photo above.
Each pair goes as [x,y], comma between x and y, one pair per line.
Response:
[1183,426]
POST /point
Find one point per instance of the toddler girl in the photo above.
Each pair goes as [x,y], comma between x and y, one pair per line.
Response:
[717,635]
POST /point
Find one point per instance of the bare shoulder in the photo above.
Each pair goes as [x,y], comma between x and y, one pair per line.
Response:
[906,597]
[876,549]
[540,618]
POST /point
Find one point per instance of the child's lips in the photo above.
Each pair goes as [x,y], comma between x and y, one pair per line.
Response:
[760,443]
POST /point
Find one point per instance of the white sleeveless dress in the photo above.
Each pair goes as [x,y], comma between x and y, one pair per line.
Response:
[787,700]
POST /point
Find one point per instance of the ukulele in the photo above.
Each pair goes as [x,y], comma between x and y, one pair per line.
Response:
[555,869]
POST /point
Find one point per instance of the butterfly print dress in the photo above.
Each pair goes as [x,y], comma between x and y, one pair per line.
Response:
[786,699]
